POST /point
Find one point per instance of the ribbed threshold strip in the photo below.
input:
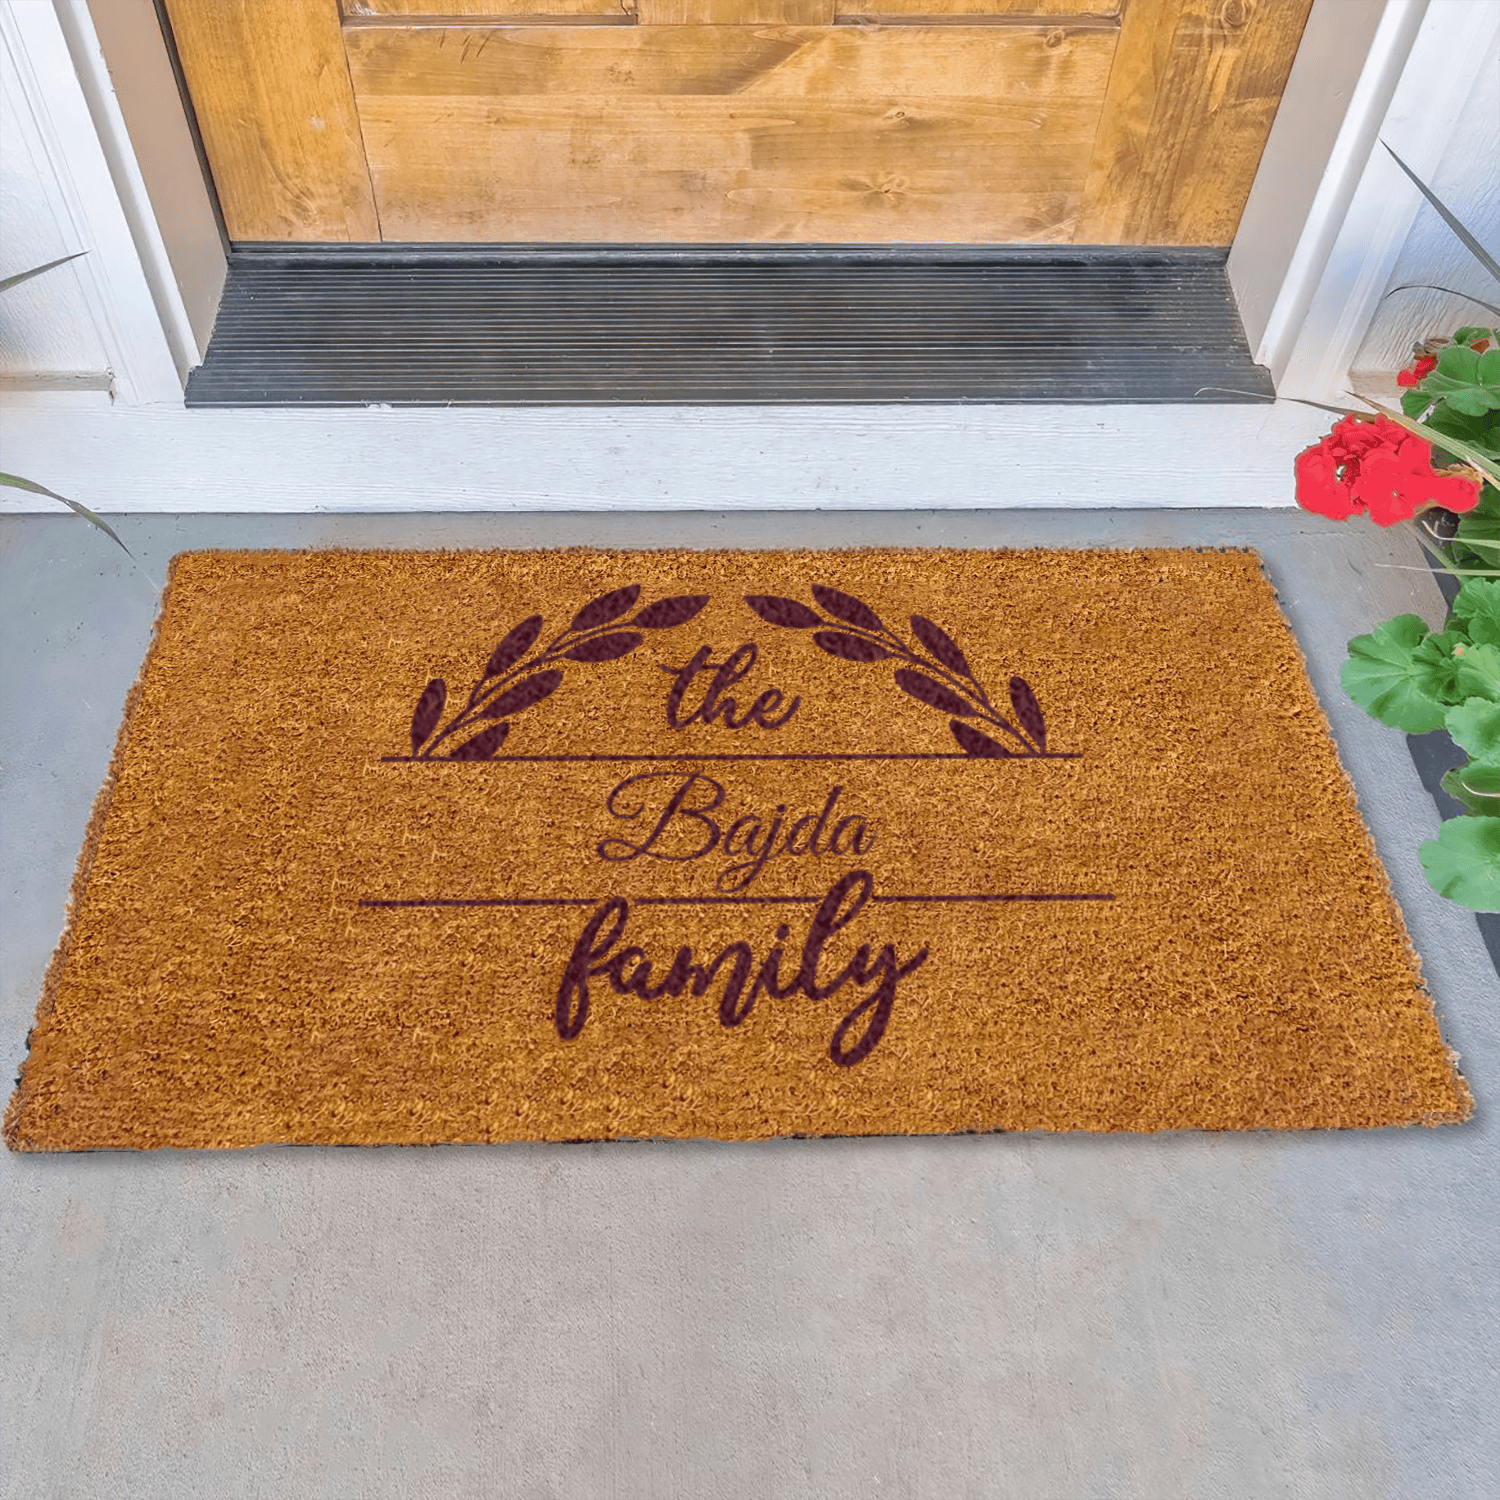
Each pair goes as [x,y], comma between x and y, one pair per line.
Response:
[430,326]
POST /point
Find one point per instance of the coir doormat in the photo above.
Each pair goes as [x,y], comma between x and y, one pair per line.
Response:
[419,847]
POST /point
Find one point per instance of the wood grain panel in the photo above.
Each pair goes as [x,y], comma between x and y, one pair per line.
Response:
[1192,95]
[271,91]
[624,169]
[412,69]
[418,10]
[1020,12]
[735,12]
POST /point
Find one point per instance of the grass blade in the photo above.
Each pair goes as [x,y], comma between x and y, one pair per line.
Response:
[21,276]
[15,482]
[1472,245]
[1427,286]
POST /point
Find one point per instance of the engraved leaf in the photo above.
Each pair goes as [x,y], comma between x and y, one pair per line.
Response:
[605,608]
[513,647]
[606,647]
[849,647]
[940,644]
[847,608]
[429,711]
[775,610]
[1028,711]
[526,692]
[483,745]
[928,690]
[971,742]
[666,613]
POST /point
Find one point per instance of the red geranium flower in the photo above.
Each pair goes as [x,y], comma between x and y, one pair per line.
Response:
[1418,372]
[1376,468]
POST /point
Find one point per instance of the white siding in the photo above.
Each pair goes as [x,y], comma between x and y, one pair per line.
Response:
[1468,181]
[47,331]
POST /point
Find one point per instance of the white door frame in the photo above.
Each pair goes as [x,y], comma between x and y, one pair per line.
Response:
[1322,228]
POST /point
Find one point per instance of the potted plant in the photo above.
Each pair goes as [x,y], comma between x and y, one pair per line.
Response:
[1435,464]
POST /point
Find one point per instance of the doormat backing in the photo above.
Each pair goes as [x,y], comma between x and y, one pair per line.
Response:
[425,847]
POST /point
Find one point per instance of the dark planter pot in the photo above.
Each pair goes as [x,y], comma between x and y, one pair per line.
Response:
[1435,754]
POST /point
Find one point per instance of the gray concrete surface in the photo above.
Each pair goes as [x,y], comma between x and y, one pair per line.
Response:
[1014,1318]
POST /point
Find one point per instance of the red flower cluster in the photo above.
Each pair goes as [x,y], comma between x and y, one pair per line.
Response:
[1376,468]
[1419,371]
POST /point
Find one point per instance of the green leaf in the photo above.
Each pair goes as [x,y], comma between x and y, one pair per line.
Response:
[1382,677]
[1475,727]
[1482,612]
[1477,596]
[1477,786]
[1480,433]
[1466,381]
[1471,334]
[21,276]
[1481,534]
[1472,245]
[15,482]
[1436,656]
[1478,672]
[1463,862]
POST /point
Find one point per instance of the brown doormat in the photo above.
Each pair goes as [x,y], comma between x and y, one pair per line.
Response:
[418,847]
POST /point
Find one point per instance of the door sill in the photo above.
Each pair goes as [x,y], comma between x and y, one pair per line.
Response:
[415,325]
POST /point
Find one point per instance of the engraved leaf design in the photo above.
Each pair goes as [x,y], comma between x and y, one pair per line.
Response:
[483,745]
[848,647]
[847,608]
[971,742]
[928,690]
[666,613]
[429,711]
[513,647]
[526,692]
[775,610]
[1028,711]
[941,645]
[605,608]
[606,647]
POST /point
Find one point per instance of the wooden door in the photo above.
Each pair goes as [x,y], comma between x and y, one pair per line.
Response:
[736,121]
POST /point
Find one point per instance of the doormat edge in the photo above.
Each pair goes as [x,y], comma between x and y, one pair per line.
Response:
[1461,1084]
[83,869]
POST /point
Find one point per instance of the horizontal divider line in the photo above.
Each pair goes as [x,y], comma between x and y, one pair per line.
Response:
[728,900]
[443,760]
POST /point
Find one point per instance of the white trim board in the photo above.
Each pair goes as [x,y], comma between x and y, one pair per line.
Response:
[1417,79]
[80,186]
[659,458]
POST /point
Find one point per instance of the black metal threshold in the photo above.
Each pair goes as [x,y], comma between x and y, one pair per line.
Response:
[430,325]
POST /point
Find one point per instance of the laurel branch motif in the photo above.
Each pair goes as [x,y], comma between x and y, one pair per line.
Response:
[510,683]
[940,678]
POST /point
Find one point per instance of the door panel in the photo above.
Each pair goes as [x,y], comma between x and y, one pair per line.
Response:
[703,133]
[1008,12]
[1191,98]
[270,88]
[865,121]
[355,11]
[735,12]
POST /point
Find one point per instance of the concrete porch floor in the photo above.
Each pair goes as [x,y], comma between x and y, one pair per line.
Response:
[1013,1318]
